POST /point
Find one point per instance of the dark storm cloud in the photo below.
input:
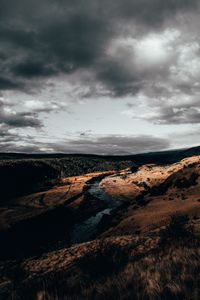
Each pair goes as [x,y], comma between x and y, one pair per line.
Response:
[19,120]
[118,79]
[45,38]
[150,12]
[8,84]
[29,69]
[21,38]
[61,37]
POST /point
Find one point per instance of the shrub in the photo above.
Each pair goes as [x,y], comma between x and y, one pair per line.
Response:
[177,229]
[106,260]
[123,176]
[187,182]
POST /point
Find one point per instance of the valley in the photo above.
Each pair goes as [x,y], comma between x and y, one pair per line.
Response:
[120,228]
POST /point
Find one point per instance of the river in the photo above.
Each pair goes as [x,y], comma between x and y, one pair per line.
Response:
[85,230]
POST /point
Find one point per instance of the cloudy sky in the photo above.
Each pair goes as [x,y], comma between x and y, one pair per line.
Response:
[105,77]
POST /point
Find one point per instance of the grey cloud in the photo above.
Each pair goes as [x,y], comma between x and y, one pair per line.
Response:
[29,116]
[9,84]
[13,147]
[13,141]
[9,140]
[105,145]
[113,145]
[176,109]
[153,12]
[190,136]
[17,119]
[170,115]
[29,69]
[5,133]
[118,79]
[46,38]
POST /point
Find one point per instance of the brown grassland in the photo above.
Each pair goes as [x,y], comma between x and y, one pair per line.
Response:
[146,248]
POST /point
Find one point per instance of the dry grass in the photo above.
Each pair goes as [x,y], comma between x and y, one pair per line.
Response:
[166,195]
[34,204]
[161,262]
[160,273]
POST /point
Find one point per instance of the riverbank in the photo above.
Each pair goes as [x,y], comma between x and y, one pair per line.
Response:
[66,214]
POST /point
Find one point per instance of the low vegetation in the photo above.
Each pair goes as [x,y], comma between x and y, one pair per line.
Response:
[115,272]
[147,248]
[31,175]
[178,229]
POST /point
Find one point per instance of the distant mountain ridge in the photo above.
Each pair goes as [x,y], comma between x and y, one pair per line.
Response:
[167,156]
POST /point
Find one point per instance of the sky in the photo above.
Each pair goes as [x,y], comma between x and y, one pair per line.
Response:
[103,77]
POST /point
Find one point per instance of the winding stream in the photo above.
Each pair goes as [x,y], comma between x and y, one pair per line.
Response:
[83,231]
